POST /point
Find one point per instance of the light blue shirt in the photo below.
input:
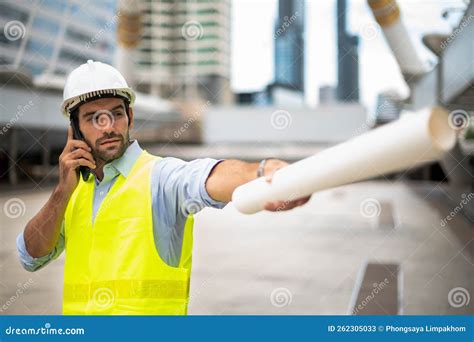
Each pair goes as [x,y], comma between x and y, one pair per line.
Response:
[178,189]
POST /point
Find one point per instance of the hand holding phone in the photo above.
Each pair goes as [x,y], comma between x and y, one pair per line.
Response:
[77,135]
[76,154]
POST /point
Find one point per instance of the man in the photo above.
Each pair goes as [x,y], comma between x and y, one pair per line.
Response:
[125,220]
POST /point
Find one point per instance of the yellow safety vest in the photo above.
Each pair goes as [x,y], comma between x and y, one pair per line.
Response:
[112,265]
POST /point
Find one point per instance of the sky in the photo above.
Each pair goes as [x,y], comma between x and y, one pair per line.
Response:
[252,44]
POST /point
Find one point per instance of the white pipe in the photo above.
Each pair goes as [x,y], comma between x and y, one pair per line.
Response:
[403,144]
[387,15]
[403,49]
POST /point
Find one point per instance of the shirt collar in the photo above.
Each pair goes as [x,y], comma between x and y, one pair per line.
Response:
[122,165]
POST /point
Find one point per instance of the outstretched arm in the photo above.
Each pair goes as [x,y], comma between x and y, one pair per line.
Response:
[229,174]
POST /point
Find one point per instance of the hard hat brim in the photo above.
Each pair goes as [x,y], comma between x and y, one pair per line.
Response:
[75,101]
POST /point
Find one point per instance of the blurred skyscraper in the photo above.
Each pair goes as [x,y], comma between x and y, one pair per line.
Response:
[347,58]
[389,106]
[289,44]
[54,36]
[327,95]
[185,50]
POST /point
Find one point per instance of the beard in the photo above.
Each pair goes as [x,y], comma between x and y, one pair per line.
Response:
[110,153]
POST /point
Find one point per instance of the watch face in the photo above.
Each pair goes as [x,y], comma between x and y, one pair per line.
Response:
[261,168]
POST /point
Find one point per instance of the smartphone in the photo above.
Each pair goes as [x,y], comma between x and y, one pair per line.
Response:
[83,170]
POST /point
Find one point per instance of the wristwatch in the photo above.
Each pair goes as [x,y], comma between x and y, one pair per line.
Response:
[261,168]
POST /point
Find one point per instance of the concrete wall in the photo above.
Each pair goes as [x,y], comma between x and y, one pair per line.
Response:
[326,124]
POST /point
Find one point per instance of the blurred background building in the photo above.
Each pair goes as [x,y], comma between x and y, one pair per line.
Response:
[289,44]
[184,51]
[388,108]
[52,43]
[347,58]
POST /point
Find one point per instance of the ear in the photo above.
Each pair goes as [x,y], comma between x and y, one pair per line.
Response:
[130,117]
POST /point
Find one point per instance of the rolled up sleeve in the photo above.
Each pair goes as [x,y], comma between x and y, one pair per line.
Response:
[207,167]
[184,184]
[32,264]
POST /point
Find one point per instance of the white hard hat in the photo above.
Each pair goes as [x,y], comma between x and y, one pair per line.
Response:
[94,79]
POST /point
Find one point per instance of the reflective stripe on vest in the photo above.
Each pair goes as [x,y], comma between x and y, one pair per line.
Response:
[112,265]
